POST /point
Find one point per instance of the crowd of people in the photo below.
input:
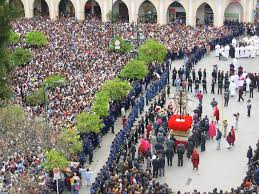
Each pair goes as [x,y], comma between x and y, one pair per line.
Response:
[79,52]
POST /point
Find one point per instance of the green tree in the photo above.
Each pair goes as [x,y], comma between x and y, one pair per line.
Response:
[112,17]
[55,159]
[134,69]
[151,51]
[88,122]
[54,80]
[124,45]
[21,56]
[36,39]
[7,13]
[101,104]
[11,116]
[69,141]
[14,37]
[37,97]
[116,88]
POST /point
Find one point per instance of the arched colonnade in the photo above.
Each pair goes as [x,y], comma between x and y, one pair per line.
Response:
[191,12]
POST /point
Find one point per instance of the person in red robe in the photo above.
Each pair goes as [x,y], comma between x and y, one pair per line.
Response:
[230,140]
[216,113]
[148,130]
[195,159]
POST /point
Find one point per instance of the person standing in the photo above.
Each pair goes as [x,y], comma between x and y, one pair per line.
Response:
[225,126]
[133,151]
[216,114]
[240,94]
[204,86]
[190,84]
[88,174]
[233,133]
[230,140]
[249,106]
[212,130]
[180,153]
[218,138]
[220,85]
[169,155]
[226,97]
[236,120]
[200,97]
[249,154]
[213,87]
[168,90]
[161,161]
[251,89]
[195,159]
[213,103]
[203,141]
[155,164]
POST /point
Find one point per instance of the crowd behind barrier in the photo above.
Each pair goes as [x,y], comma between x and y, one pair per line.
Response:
[76,51]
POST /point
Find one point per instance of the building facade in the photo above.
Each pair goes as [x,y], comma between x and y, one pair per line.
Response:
[191,12]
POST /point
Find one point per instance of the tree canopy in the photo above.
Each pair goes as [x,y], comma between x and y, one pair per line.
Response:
[21,56]
[101,104]
[69,141]
[54,80]
[37,97]
[134,69]
[88,122]
[14,37]
[36,39]
[151,51]
[55,159]
[7,13]
[116,88]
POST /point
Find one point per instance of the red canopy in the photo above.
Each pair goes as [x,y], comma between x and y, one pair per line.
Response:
[180,124]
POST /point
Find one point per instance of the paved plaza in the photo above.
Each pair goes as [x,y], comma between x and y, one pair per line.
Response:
[218,168]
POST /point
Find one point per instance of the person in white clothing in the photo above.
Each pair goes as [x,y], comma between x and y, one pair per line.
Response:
[217,49]
[248,81]
[237,52]
[253,51]
[242,51]
[226,50]
[234,42]
[235,63]
[232,89]
[247,51]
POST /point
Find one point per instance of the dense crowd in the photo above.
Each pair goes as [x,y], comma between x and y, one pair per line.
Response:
[79,52]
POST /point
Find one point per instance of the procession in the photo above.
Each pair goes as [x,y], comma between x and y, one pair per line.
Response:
[92,106]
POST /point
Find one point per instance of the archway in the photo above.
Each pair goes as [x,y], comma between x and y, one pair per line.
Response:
[40,8]
[92,8]
[66,8]
[204,15]
[18,5]
[176,13]
[147,12]
[234,11]
[120,9]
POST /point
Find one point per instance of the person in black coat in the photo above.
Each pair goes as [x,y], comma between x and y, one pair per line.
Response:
[169,155]
[161,161]
[249,154]
[155,164]
[190,147]
[180,153]
[203,142]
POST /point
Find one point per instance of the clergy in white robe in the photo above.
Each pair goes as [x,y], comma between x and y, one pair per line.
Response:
[242,51]
[234,42]
[253,51]
[232,89]
[226,50]
[247,51]
[237,52]
[248,81]
[217,49]
[235,63]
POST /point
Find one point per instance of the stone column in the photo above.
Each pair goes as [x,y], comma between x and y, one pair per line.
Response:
[219,13]
[53,10]
[104,7]
[161,12]
[133,11]
[191,16]
[28,8]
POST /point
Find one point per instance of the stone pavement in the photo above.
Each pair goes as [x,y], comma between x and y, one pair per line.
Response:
[223,169]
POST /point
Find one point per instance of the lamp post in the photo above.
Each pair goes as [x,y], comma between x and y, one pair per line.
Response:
[112,21]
